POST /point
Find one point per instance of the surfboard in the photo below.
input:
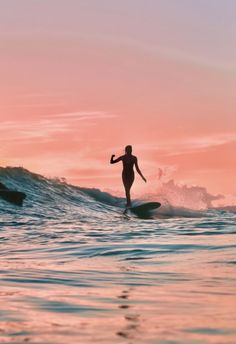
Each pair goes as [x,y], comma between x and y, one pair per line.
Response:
[14,197]
[144,210]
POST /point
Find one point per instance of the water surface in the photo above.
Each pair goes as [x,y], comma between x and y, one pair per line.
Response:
[73,269]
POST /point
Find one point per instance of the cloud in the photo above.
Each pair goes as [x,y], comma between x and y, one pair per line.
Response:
[94,172]
[173,147]
[81,115]
[200,144]
[47,126]
[165,52]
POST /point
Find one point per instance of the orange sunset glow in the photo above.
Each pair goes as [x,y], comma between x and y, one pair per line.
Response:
[82,79]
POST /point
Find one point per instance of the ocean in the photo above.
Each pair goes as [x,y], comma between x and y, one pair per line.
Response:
[74,269]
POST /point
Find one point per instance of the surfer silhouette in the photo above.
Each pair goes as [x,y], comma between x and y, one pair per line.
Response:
[129,161]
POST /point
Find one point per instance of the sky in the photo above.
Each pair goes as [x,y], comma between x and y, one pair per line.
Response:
[80,80]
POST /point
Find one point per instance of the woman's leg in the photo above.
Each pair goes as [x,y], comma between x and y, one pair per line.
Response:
[127,193]
[127,184]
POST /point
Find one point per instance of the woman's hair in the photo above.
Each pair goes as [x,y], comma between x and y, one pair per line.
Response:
[128,149]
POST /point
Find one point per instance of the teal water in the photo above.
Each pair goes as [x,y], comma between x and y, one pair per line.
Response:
[73,269]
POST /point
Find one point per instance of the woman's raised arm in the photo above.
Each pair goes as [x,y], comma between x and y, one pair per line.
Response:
[113,161]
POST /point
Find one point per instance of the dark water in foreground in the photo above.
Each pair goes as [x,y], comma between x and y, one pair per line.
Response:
[73,269]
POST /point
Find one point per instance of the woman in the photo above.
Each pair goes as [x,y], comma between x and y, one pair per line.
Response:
[129,161]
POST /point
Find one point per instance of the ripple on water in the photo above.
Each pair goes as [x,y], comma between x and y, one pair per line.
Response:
[70,280]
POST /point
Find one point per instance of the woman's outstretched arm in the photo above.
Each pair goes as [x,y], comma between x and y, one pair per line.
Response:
[113,161]
[138,170]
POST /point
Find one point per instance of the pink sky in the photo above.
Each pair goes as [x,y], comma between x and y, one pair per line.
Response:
[80,81]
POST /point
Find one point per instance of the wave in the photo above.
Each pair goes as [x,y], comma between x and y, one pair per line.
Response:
[53,197]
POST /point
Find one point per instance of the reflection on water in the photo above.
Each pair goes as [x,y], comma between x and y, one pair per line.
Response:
[118,281]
